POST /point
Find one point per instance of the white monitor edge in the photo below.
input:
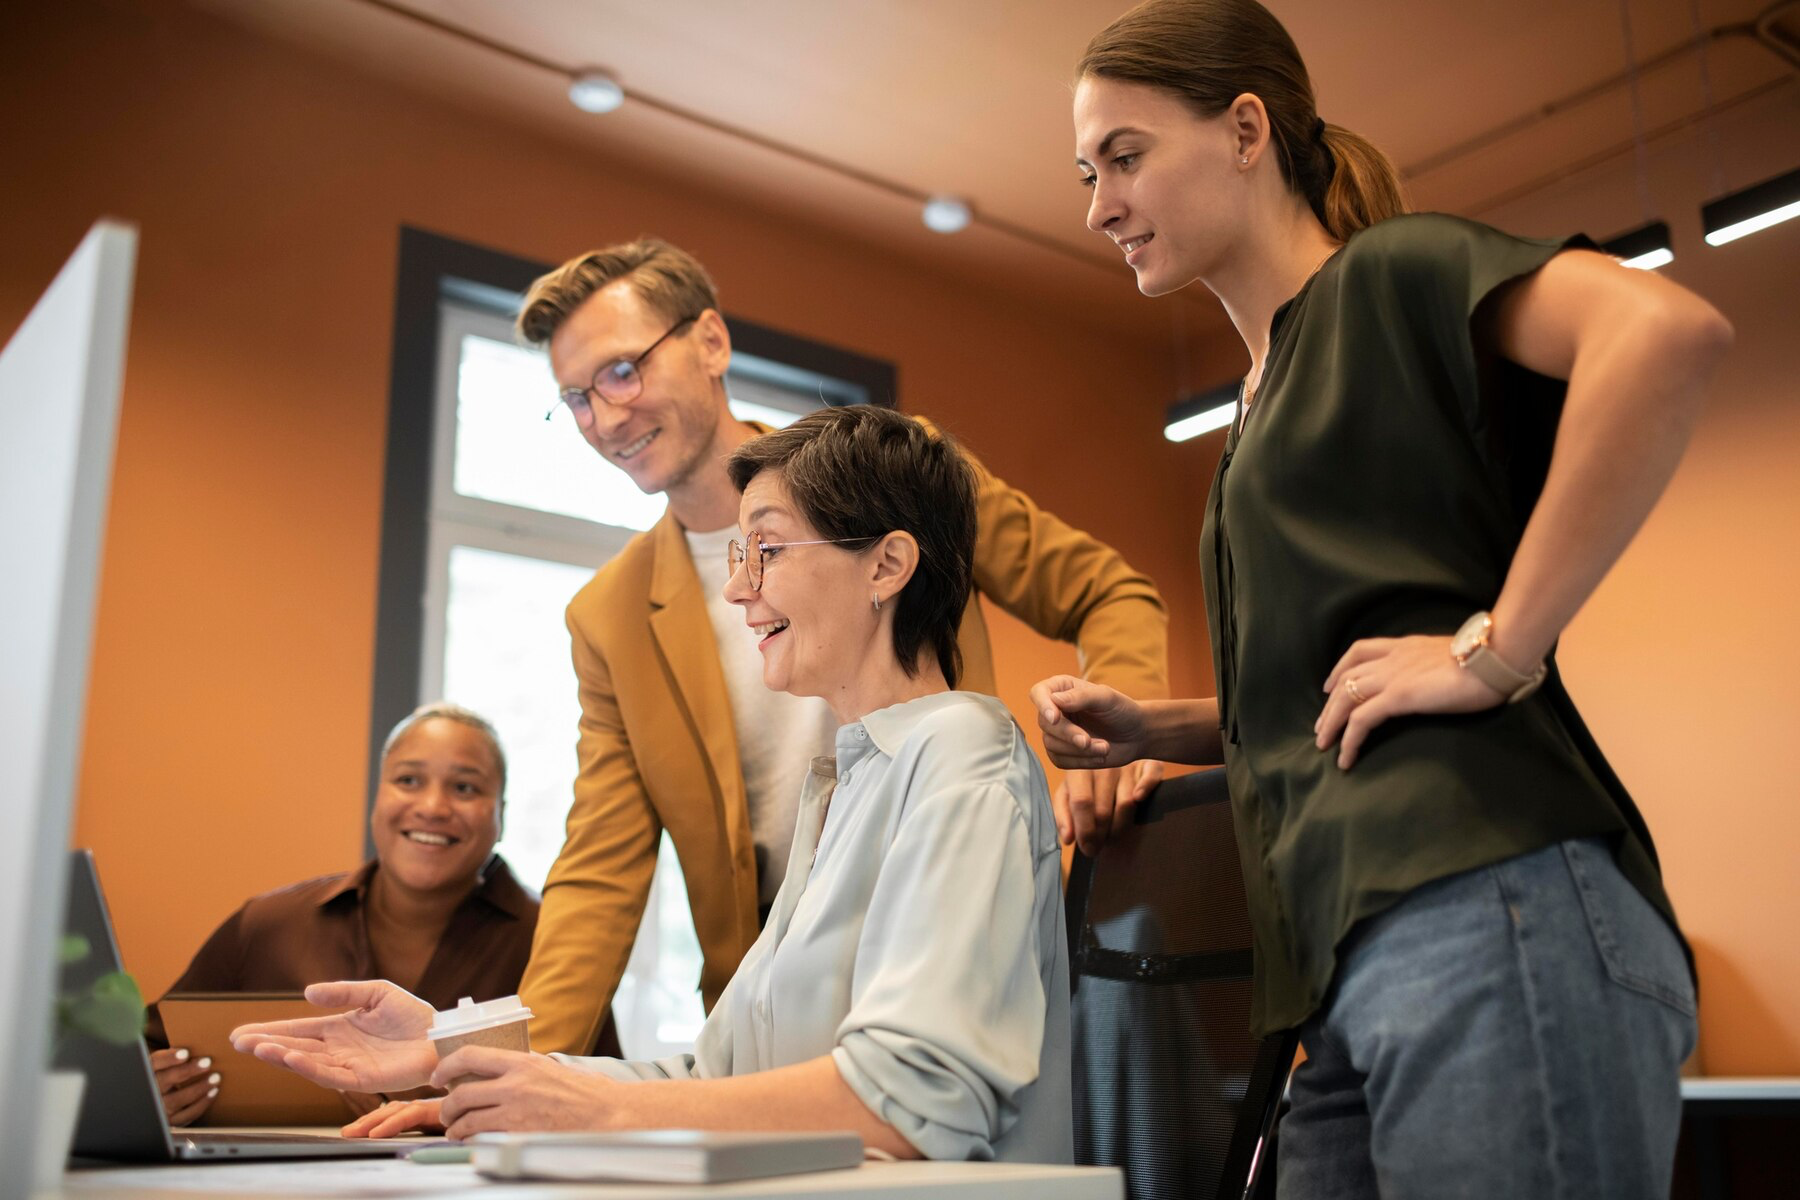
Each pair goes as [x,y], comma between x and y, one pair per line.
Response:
[60,376]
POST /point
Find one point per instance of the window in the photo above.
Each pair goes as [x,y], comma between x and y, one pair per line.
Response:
[494,519]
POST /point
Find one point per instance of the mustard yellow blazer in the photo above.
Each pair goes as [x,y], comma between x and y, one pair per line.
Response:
[658,746]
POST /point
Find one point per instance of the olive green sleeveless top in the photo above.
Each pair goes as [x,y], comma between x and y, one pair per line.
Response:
[1378,488]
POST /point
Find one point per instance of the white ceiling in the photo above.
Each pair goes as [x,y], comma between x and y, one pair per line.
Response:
[972,97]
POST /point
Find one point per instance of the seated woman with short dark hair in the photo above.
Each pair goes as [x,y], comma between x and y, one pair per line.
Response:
[911,983]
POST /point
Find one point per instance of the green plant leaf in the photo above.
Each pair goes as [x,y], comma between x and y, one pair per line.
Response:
[112,1010]
[73,949]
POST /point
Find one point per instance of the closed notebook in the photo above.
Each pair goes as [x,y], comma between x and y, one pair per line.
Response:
[662,1155]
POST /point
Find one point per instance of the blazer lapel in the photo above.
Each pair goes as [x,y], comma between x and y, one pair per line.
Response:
[684,638]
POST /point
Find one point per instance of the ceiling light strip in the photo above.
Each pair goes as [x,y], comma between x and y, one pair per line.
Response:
[1752,209]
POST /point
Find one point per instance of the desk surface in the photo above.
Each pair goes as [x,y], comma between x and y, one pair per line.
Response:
[383,1178]
[1751,1088]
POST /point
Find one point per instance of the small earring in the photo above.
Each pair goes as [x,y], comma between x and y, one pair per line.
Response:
[875,598]
[1245,161]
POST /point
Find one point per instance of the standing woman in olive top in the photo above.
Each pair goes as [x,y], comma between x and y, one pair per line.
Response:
[1446,437]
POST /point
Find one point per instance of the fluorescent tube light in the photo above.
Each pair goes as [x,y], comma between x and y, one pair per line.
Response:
[1755,208]
[1202,413]
[1646,249]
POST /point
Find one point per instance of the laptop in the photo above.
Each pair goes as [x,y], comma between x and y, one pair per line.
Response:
[122,1116]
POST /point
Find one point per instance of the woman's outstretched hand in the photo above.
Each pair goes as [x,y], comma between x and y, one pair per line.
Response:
[1380,678]
[378,1045]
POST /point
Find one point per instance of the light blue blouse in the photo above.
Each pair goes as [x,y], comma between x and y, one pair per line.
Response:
[918,939]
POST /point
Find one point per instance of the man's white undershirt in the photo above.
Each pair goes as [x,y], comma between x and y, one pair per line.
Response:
[778,735]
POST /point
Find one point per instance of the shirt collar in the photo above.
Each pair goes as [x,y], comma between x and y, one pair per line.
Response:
[889,727]
[496,886]
[354,883]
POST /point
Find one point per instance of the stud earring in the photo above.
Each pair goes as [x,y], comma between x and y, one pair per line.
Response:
[1245,161]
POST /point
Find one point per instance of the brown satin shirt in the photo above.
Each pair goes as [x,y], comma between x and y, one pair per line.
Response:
[318,930]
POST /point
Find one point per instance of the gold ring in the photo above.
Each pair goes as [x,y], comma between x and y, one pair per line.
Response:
[1354,692]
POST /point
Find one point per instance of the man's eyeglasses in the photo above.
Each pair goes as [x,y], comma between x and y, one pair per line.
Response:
[618,382]
[755,558]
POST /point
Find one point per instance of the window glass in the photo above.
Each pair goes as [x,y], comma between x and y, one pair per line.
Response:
[506,451]
[506,655]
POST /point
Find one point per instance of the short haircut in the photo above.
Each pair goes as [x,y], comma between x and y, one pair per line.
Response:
[444,710]
[667,278]
[863,472]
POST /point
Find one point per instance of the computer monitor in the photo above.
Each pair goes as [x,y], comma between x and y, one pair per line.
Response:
[59,404]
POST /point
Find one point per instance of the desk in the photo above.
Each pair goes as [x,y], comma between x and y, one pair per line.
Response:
[1707,1100]
[380,1179]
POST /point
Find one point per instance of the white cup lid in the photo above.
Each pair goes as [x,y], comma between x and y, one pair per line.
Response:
[469,1016]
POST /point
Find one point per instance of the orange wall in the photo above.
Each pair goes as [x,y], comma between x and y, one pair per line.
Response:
[229,702]
[228,708]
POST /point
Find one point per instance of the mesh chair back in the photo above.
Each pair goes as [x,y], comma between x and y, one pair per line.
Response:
[1169,1084]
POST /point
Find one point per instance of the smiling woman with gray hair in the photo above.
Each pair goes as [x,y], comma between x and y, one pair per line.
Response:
[876,999]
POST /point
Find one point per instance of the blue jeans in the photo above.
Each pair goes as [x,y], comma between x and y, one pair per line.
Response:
[1515,1031]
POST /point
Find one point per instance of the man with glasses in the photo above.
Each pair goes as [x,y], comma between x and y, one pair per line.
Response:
[678,732]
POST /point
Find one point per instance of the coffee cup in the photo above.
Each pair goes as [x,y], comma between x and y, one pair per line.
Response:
[498,1023]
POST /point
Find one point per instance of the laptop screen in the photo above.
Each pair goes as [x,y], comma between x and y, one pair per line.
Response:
[121,1113]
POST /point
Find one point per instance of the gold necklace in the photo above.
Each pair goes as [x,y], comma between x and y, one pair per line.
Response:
[1249,388]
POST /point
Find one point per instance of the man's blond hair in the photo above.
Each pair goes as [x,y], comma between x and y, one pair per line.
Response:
[667,278]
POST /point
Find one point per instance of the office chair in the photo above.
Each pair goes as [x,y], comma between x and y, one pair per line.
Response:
[1169,1084]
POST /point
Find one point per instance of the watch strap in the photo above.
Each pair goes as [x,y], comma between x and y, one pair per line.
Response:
[1473,653]
[1487,666]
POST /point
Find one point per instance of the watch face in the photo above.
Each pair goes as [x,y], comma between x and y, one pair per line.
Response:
[1472,635]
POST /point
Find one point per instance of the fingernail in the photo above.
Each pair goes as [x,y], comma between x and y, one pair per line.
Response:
[213,1078]
[181,1056]
[204,1063]
[211,1092]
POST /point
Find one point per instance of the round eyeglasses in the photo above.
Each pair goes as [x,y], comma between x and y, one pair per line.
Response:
[618,382]
[754,558]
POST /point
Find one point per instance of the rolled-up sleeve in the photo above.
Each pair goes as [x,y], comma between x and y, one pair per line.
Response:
[947,1003]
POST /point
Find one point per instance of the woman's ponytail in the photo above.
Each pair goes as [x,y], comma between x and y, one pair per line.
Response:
[1361,186]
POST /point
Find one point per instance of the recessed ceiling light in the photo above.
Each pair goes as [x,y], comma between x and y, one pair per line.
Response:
[947,214]
[595,92]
